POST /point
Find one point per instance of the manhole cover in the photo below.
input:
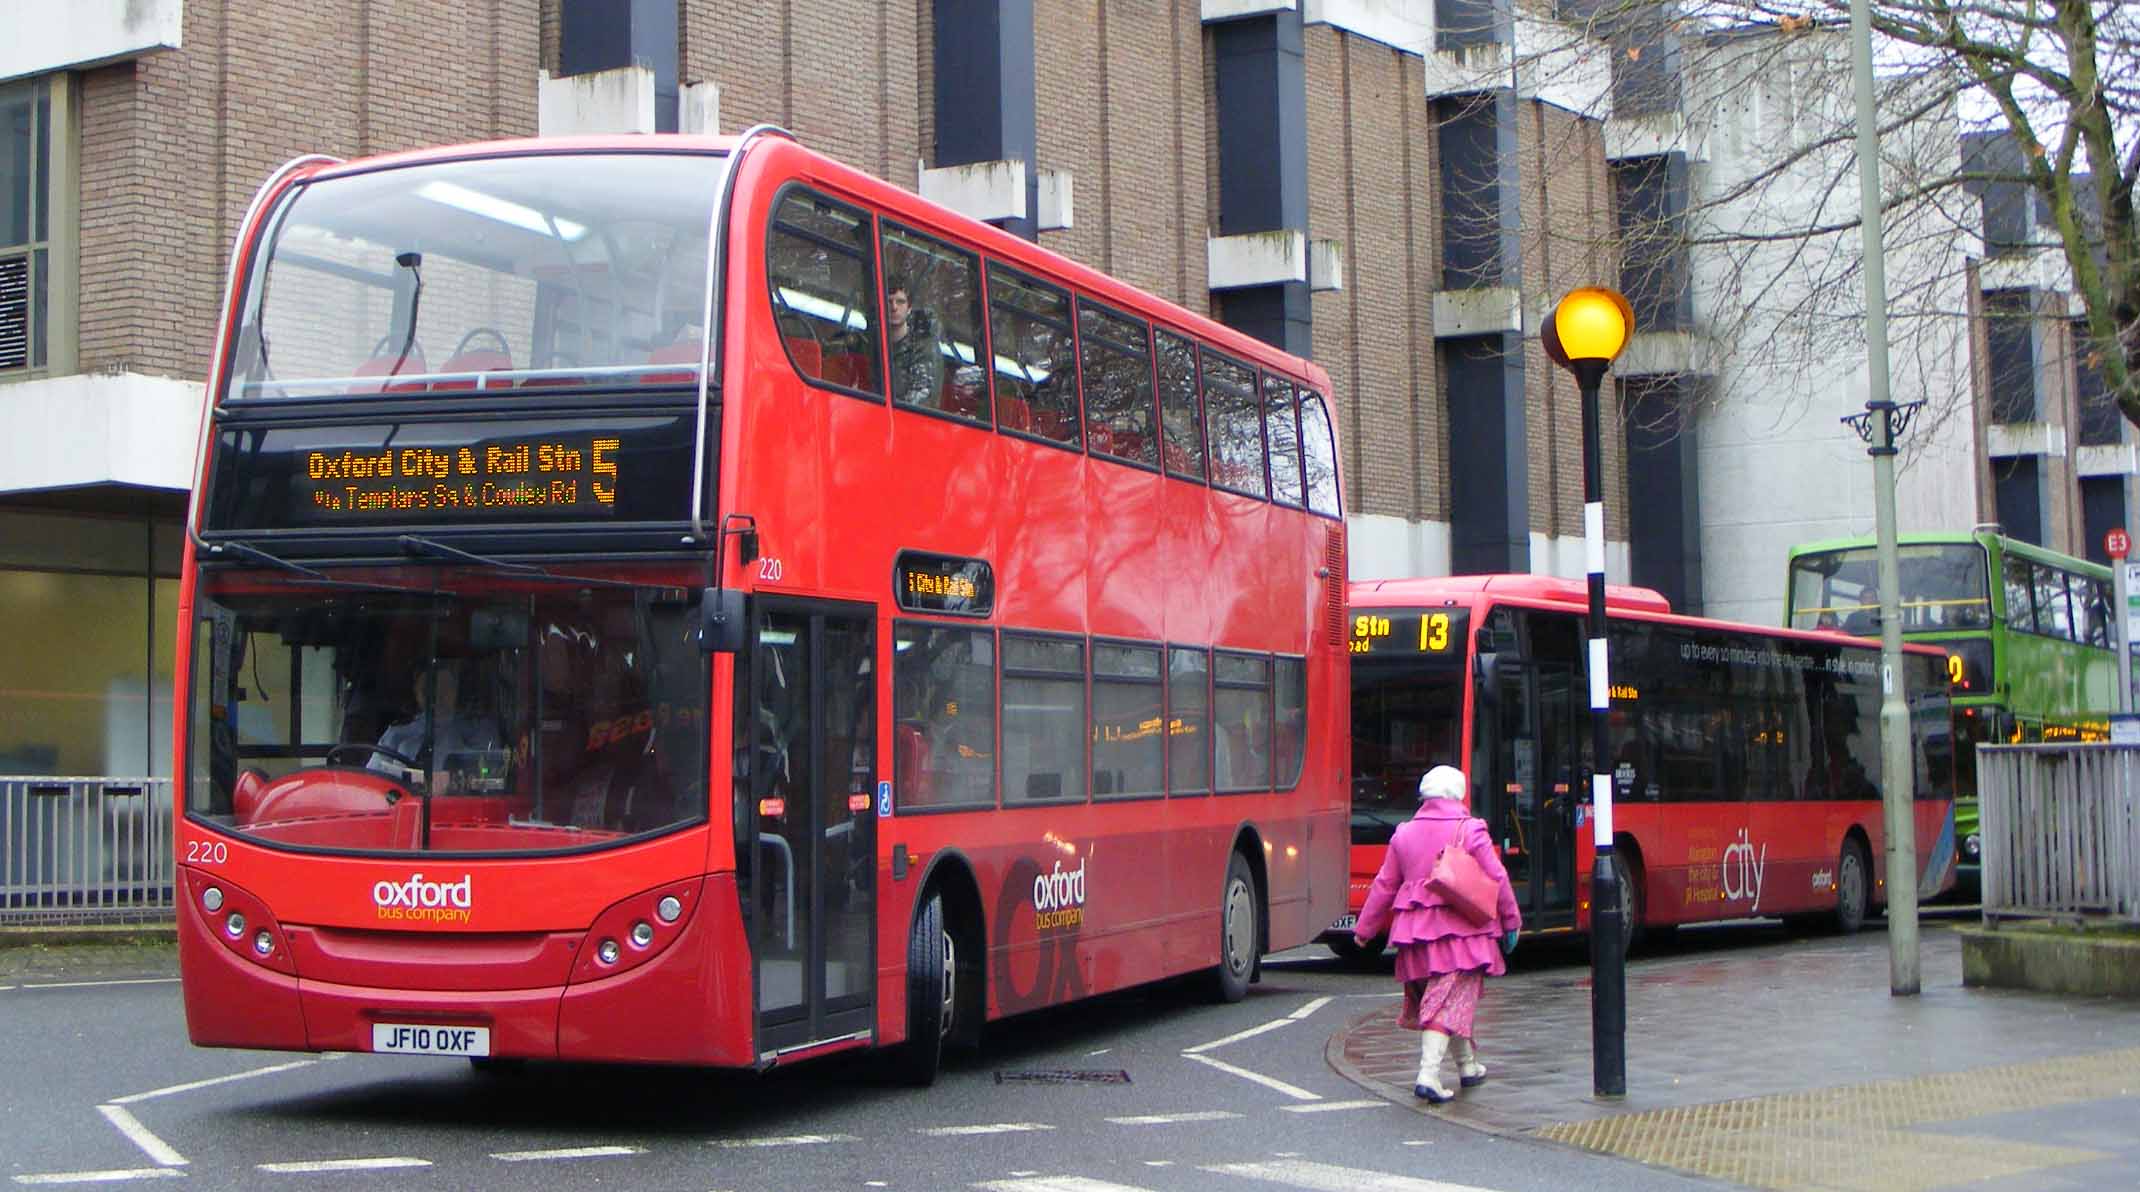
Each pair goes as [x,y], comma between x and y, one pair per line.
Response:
[1066,1076]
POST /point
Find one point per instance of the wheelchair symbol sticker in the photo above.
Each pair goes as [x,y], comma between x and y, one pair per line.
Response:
[884,800]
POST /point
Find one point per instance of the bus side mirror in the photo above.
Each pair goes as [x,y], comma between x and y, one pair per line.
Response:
[721,621]
[1487,674]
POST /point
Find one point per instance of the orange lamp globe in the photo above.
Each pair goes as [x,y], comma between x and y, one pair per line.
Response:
[1593,324]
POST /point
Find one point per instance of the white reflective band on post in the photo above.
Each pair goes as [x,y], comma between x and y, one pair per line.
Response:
[1600,682]
[1601,809]
[1594,536]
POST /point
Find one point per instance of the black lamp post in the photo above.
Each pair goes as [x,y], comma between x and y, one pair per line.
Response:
[1584,334]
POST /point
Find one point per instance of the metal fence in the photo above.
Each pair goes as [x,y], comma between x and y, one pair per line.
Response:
[85,850]
[2061,826]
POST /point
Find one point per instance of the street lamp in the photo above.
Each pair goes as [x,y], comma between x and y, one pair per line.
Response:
[1584,334]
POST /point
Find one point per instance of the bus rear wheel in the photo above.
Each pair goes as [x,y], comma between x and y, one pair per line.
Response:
[1853,883]
[932,995]
[1238,942]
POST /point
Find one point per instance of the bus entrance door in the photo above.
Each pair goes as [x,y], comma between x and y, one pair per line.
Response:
[806,813]
[1529,804]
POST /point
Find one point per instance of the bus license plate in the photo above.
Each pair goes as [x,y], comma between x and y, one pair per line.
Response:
[1345,922]
[410,1039]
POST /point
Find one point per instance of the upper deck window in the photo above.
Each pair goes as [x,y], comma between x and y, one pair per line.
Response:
[1945,586]
[503,272]
[1036,356]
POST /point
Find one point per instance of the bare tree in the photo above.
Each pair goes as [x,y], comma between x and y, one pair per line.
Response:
[2028,106]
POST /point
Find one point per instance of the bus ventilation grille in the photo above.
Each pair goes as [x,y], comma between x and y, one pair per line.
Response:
[1334,588]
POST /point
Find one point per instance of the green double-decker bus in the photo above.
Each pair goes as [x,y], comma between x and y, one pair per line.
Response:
[2031,652]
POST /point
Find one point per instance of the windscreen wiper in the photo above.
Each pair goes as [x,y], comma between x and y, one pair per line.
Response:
[416,544]
[251,553]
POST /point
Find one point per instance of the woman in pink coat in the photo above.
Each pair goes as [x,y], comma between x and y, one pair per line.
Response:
[1443,958]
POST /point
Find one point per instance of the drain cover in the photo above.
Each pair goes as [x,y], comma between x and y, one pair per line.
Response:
[1066,1076]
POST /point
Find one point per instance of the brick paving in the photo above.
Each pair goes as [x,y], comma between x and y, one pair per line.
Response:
[1786,1065]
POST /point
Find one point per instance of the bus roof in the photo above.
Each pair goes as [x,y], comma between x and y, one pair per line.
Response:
[1550,590]
[1464,588]
[1982,535]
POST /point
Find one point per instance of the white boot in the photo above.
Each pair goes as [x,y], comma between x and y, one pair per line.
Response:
[1432,1046]
[1470,1073]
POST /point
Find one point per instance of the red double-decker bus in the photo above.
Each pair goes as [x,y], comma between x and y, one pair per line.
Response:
[685,600]
[1746,759]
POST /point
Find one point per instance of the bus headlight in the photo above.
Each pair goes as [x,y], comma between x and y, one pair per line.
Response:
[1972,844]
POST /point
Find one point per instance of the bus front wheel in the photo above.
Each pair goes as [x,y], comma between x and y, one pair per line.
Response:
[932,994]
[1238,942]
[1853,881]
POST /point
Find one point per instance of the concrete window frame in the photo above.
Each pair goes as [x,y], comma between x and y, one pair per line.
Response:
[50,251]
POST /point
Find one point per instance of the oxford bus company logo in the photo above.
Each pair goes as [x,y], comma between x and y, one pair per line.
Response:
[1059,897]
[417,899]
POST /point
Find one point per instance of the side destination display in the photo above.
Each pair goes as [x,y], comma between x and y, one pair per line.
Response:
[607,469]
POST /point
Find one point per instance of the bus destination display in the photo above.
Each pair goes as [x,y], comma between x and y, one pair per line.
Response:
[577,473]
[1390,632]
[516,470]
[926,583]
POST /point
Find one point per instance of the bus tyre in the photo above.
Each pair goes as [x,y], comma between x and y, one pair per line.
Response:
[931,994]
[1238,944]
[1853,881]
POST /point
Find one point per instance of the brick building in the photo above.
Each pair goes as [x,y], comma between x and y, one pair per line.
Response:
[1342,178]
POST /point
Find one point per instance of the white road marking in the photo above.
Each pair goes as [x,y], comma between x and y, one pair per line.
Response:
[99,984]
[1324,1177]
[1237,1036]
[131,1098]
[990,1128]
[1058,1183]
[568,1152]
[315,1166]
[1310,1008]
[1298,1094]
[1168,1119]
[1327,1106]
[782,1140]
[102,1177]
[155,1148]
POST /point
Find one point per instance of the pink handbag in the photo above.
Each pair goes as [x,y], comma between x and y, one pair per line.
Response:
[1465,887]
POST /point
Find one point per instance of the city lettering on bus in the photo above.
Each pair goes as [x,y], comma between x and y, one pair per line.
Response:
[566,675]
[1745,761]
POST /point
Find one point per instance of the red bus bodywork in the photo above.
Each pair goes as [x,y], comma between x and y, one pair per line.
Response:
[832,486]
[1691,861]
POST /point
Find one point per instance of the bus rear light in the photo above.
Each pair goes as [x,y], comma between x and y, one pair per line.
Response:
[650,921]
[239,920]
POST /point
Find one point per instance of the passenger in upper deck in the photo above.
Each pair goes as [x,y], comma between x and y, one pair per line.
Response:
[1865,622]
[917,356]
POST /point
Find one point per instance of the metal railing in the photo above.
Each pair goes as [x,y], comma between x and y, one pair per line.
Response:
[2061,828]
[85,850]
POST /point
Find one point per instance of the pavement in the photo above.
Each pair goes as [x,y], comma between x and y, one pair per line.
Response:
[1791,1065]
